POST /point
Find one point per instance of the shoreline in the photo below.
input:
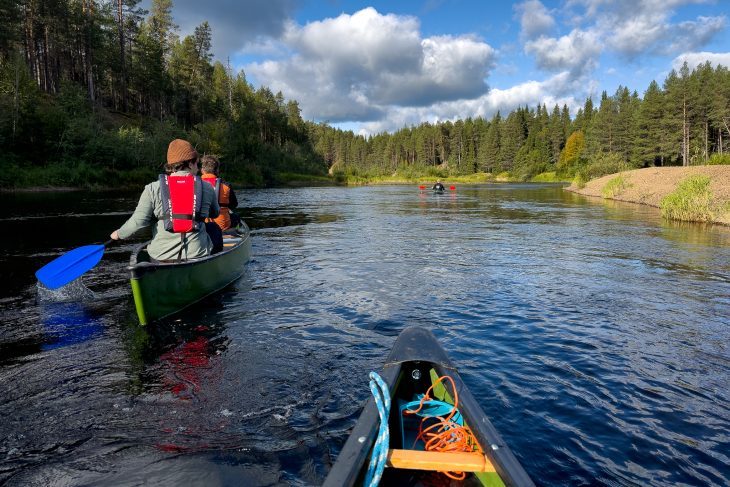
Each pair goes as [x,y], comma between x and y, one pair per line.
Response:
[649,185]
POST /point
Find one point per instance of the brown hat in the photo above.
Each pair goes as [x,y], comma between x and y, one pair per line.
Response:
[180,151]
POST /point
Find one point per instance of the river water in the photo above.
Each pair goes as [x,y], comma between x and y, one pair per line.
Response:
[594,335]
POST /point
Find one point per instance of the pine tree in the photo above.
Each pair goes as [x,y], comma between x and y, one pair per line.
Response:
[491,148]
[676,120]
[648,144]
[557,134]
[513,134]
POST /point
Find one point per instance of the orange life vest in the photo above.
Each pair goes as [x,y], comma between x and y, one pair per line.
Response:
[222,193]
[182,198]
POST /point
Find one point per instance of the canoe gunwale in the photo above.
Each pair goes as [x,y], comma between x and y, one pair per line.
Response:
[422,346]
[138,269]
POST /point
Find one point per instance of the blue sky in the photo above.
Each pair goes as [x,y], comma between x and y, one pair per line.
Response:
[379,66]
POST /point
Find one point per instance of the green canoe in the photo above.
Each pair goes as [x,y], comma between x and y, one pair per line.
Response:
[415,363]
[163,288]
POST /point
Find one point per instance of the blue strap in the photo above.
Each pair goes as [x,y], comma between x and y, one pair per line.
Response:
[432,408]
[381,394]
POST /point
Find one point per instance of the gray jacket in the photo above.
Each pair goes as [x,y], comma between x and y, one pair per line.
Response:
[166,245]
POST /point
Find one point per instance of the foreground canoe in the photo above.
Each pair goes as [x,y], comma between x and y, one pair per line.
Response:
[163,288]
[412,367]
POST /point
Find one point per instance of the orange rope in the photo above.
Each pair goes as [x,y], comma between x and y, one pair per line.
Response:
[445,435]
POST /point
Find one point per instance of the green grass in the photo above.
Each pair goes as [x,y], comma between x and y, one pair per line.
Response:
[719,159]
[548,177]
[691,201]
[412,177]
[614,187]
[296,179]
[580,180]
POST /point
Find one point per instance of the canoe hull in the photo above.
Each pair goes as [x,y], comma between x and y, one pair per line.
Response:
[417,349]
[162,289]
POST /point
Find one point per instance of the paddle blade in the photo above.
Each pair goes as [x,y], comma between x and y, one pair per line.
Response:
[452,188]
[69,266]
[421,187]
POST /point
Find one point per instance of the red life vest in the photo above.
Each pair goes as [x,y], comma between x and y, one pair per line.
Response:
[222,194]
[182,198]
[216,183]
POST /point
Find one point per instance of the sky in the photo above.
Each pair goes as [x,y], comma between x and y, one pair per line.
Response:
[380,66]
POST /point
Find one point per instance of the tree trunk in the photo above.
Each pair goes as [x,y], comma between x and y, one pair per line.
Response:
[685,135]
[88,67]
[16,97]
[122,60]
[46,71]
[30,51]
[230,82]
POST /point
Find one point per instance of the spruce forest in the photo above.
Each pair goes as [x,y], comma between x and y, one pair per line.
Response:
[91,93]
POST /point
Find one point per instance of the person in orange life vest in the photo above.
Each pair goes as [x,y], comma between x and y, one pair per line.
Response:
[227,200]
[176,206]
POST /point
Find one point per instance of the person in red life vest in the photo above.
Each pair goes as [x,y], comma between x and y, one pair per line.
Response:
[210,168]
[176,206]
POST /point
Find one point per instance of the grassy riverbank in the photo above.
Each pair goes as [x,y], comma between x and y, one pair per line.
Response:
[429,177]
[695,193]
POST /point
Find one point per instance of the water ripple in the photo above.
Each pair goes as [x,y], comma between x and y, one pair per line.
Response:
[594,336]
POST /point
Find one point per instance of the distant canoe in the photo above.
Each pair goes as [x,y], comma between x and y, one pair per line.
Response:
[164,288]
[411,368]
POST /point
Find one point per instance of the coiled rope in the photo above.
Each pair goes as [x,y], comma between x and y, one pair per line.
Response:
[446,435]
[381,394]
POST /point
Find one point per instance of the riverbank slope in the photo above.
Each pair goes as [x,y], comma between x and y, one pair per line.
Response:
[649,185]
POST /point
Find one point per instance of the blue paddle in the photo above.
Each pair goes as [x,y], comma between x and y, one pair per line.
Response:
[70,265]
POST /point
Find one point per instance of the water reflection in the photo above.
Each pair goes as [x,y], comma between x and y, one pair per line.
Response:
[258,218]
[179,366]
[70,323]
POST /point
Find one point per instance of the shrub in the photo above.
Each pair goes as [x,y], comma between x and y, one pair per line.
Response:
[691,201]
[580,180]
[606,163]
[546,177]
[719,159]
[614,187]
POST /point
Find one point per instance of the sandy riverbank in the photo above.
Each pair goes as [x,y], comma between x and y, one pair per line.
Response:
[649,185]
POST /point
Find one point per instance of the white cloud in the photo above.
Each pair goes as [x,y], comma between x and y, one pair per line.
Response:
[692,35]
[633,28]
[368,66]
[560,89]
[576,52]
[354,67]
[362,43]
[694,59]
[535,19]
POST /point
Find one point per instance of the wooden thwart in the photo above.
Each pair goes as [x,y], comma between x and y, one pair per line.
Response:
[439,461]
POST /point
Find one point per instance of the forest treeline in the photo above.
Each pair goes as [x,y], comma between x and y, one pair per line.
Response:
[91,93]
[684,122]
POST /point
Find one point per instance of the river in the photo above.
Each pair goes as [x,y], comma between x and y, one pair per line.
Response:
[595,335]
